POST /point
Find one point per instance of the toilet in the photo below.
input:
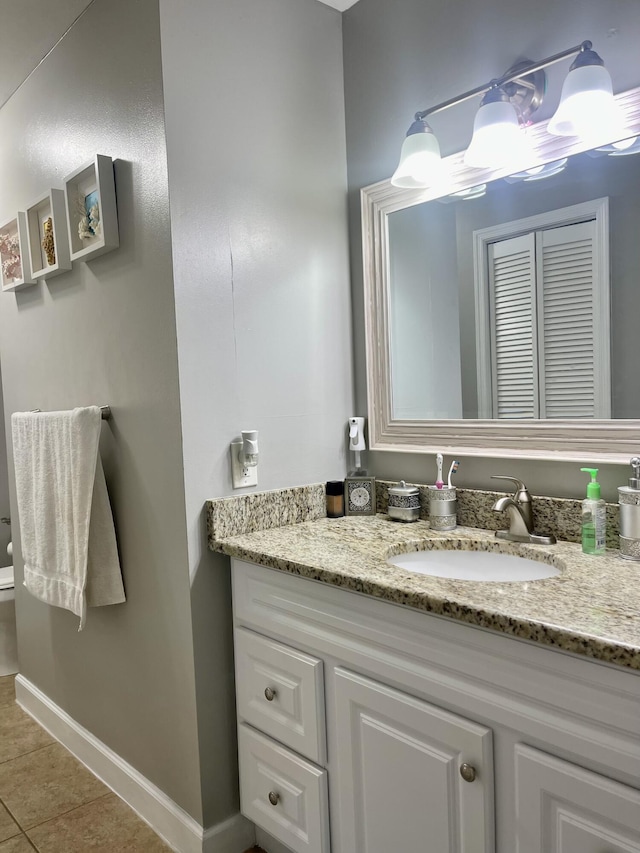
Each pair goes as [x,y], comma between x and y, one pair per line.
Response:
[8,640]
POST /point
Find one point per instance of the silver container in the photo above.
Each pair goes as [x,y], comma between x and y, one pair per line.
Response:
[629,501]
[404,502]
[443,508]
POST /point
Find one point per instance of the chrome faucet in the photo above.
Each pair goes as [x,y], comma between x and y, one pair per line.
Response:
[519,509]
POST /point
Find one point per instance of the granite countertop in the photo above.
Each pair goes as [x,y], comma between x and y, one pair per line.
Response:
[591,608]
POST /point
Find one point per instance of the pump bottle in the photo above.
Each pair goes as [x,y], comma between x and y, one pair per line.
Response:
[594,517]
[629,500]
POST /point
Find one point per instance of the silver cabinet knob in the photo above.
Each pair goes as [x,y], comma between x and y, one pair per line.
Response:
[274,798]
[468,772]
[269,694]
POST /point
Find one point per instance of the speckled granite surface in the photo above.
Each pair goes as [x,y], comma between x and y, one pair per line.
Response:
[592,608]
[264,510]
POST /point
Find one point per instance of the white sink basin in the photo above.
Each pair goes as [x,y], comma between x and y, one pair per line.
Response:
[474,566]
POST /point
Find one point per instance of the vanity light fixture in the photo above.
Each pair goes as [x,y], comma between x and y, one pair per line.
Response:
[587,109]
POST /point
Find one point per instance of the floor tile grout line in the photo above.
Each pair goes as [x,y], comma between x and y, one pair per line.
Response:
[24,832]
[30,842]
[13,817]
[30,752]
[11,837]
[68,812]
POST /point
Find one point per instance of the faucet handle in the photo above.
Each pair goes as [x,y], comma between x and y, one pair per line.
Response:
[521,492]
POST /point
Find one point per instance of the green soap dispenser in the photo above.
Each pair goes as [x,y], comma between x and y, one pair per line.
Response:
[594,517]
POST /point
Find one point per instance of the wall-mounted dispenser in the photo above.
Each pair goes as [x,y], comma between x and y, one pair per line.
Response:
[244,459]
[356,444]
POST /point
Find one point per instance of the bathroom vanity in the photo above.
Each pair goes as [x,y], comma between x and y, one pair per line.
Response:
[503,718]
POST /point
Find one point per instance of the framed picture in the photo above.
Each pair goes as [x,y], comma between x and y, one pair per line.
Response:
[15,268]
[47,236]
[92,217]
[360,496]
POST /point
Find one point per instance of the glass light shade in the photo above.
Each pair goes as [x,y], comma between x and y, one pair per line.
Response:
[587,107]
[623,147]
[538,173]
[420,163]
[472,192]
[498,140]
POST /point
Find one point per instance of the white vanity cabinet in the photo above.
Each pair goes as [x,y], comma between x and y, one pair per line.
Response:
[562,808]
[407,771]
[369,727]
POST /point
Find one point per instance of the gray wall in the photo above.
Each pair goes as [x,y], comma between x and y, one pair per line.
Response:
[425,356]
[105,333]
[5,508]
[411,54]
[256,149]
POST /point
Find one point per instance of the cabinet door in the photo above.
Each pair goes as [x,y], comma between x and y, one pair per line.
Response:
[562,808]
[398,774]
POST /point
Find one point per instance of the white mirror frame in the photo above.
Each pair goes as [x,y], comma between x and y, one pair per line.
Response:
[595,440]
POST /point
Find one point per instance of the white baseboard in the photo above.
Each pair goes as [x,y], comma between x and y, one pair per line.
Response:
[268,843]
[177,828]
[234,835]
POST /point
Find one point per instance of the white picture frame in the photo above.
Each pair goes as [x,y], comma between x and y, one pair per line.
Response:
[48,206]
[91,211]
[16,229]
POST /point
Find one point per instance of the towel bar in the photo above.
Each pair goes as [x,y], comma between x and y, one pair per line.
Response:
[105,411]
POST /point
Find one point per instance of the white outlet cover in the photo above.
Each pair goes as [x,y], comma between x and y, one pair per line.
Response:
[241,477]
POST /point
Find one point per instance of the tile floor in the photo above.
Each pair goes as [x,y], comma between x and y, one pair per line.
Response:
[51,803]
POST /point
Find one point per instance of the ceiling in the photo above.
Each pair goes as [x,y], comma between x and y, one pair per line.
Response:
[30,28]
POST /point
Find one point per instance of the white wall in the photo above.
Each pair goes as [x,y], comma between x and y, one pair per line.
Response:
[255,135]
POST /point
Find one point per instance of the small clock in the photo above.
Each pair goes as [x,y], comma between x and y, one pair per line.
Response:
[360,496]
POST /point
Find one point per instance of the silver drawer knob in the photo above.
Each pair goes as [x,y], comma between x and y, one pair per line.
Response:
[468,772]
[274,798]
[269,694]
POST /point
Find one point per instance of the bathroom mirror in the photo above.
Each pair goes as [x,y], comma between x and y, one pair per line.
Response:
[502,312]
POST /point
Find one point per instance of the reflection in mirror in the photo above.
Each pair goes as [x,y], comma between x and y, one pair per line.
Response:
[520,300]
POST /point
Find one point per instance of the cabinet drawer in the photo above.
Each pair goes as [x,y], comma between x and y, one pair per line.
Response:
[280,692]
[283,793]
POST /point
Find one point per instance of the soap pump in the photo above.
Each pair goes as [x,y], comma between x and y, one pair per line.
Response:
[629,502]
[594,517]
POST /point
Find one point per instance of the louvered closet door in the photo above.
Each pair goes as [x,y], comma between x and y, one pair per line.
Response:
[514,355]
[568,335]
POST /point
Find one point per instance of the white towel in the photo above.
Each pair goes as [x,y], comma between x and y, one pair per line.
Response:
[66,527]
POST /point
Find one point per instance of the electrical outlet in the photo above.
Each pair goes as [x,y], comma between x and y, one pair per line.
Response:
[241,476]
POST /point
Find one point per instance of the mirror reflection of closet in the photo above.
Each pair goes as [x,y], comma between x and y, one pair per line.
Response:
[542,316]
